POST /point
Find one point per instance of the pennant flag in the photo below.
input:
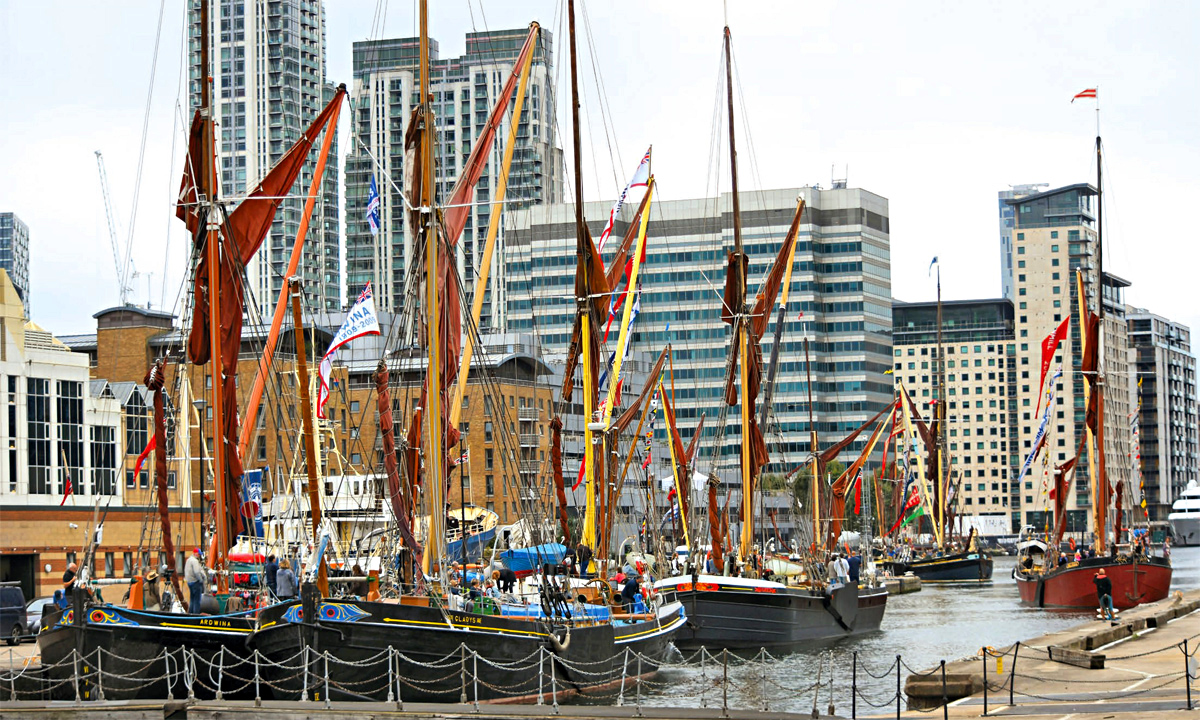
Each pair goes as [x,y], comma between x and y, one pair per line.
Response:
[915,514]
[889,371]
[1049,347]
[1040,438]
[932,263]
[252,482]
[67,489]
[373,207]
[360,321]
[1089,93]
[641,177]
[465,457]
[137,467]
[858,493]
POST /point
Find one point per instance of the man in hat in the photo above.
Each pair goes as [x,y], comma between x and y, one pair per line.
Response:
[152,597]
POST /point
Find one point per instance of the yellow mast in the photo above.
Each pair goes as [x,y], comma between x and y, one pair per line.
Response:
[433,411]
[490,244]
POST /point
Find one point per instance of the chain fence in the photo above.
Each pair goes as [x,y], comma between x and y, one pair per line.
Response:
[721,679]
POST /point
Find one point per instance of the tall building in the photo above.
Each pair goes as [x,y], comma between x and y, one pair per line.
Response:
[840,299]
[981,411]
[268,71]
[1007,215]
[1055,234]
[1168,419]
[14,254]
[464,90]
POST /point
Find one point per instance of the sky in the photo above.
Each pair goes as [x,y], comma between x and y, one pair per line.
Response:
[934,106]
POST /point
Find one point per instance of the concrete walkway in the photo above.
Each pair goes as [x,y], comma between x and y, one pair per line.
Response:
[1135,668]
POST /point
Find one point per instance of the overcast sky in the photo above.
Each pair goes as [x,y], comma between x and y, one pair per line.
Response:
[935,106]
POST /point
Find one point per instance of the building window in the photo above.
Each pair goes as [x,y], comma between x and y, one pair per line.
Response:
[127,559]
[489,484]
[487,432]
[104,459]
[354,406]
[144,478]
[38,443]
[136,425]
[488,459]
[70,433]
[170,479]
[109,563]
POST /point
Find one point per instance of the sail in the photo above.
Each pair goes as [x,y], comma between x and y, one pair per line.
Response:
[837,506]
[154,381]
[398,496]
[694,443]
[244,231]
[624,420]
[556,468]
[769,291]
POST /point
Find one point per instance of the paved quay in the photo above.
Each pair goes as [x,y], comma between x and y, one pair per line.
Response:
[1135,668]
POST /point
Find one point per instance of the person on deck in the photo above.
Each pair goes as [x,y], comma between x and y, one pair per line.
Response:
[270,569]
[855,566]
[1104,593]
[285,580]
[68,583]
[629,592]
[196,578]
[505,579]
[583,557]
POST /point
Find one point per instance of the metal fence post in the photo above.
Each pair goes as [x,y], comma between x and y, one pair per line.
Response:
[257,680]
[220,673]
[475,677]
[945,703]
[541,675]
[326,653]
[762,677]
[462,674]
[1187,672]
[1012,673]
[624,672]
[638,685]
[725,683]
[100,674]
[984,653]
[304,687]
[167,664]
[897,687]
[554,687]
[75,673]
[703,679]
[854,685]
[189,667]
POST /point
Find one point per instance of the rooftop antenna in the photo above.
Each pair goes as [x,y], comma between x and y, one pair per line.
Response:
[836,182]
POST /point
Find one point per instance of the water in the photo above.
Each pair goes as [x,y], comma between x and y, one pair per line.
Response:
[941,622]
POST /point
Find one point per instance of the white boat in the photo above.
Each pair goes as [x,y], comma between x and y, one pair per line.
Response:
[1185,516]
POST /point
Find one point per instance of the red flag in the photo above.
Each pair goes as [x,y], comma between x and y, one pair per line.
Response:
[858,494]
[137,468]
[1089,93]
[67,489]
[1049,347]
[579,479]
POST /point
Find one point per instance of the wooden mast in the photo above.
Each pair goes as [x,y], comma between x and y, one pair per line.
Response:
[1102,493]
[816,454]
[743,350]
[212,247]
[589,534]
[310,445]
[434,466]
[941,488]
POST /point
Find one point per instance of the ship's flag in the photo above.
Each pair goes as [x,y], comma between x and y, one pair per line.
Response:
[641,177]
[360,321]
[373,207]
[1040,438]
[1089,93]
[1049,347]
[67,489]
[933,262]
[137,467]
[465,457]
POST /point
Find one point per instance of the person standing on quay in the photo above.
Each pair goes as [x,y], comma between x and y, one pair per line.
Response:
[1104,593]
[196,578]
[269,571]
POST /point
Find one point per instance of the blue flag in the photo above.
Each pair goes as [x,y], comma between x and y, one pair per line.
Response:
[373,208]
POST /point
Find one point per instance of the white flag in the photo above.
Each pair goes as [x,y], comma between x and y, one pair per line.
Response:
[359,322]
[641,178]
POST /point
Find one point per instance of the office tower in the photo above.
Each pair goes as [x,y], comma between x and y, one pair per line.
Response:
[268,71]
[1055,234]
[1006,237]
[14,254]
[981,411]
[840,299]
[464,90]
[1166,369]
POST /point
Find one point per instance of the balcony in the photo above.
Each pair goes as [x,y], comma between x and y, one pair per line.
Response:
[530,440]
[527,414]
[530,467]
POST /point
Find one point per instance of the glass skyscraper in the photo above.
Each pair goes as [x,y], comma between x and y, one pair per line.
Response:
[268,84]
[840,300]
[14,254]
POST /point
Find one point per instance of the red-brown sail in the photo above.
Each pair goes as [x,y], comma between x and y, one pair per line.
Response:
[154,381]
[398,496]
[556,468]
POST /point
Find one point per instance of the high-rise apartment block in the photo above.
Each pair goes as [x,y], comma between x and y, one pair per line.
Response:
[268,72]
[464,89]
[14,254]
[982,410]
[840,300]
[1054,233]
[1168,420]
[1007,215]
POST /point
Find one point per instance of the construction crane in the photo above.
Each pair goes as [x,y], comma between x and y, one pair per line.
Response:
[123,268]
